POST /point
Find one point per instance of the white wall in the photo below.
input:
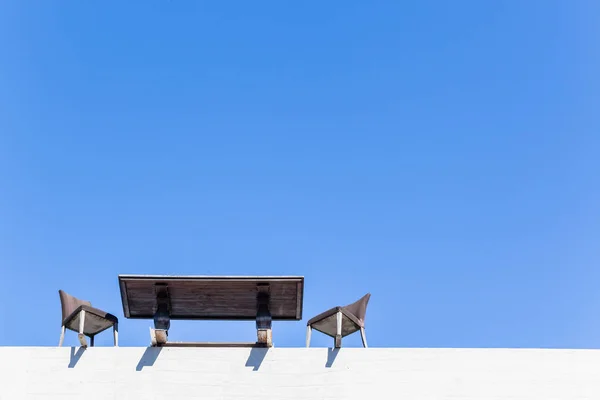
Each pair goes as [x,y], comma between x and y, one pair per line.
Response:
[286,373]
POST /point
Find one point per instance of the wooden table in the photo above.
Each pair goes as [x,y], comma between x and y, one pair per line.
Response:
[260,298]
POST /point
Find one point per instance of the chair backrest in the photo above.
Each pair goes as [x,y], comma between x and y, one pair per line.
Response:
[359,307]
[70,303]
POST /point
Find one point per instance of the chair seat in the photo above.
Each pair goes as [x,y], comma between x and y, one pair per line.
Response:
[326,322]
[96,320]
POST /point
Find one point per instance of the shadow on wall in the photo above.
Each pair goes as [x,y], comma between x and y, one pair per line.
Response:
[256,357]
[331,355]
[74,357]
[148,358]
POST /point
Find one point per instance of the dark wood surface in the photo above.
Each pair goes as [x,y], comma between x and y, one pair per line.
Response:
[212,297]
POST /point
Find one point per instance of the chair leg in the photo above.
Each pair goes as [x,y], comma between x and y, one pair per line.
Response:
[81,326]
[116,333]
[364,337]
[62,336]
[338,335]
[92,341]
[308,332]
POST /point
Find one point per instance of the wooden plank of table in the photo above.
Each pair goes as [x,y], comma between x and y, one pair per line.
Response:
[200,297]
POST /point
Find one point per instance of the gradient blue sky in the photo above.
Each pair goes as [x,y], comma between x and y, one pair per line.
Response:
[442,155]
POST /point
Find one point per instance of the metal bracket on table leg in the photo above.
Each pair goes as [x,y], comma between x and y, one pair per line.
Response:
[263,315]
[162,319]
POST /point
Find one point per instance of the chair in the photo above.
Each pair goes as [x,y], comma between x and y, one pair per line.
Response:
[81,317]
[341,321]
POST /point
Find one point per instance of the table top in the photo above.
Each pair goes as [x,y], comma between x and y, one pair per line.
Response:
[212,297]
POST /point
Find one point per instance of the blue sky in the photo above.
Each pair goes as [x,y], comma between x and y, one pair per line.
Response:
[441,155]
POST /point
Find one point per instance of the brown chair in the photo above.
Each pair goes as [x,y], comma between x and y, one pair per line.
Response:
[341,321]
[81,317]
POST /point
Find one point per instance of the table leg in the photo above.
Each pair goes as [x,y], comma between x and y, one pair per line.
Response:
[263,316]
[162,319]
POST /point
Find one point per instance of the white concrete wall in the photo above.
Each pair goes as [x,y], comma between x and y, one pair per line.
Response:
[285,373]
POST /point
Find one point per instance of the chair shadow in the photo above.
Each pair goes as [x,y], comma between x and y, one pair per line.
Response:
[256,357]
[148,358]
[331,356]
[75,356]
